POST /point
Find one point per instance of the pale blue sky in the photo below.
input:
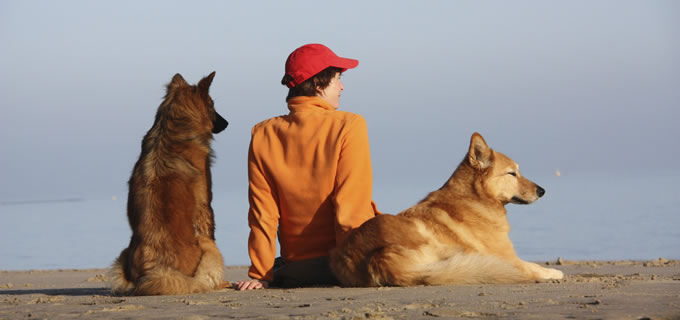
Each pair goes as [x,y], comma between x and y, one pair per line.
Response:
[589,87]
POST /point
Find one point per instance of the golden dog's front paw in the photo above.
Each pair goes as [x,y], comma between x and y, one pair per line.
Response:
[540,273]
[554,274]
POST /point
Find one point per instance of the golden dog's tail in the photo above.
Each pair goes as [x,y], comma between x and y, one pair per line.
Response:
[396,265]
[470,268]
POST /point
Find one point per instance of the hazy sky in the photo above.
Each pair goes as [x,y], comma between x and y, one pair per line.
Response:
[589,87]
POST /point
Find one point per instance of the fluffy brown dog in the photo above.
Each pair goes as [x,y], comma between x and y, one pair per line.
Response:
[456,235]
[172,249]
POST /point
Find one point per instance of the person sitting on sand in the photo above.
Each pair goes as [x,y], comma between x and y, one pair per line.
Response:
[310,176]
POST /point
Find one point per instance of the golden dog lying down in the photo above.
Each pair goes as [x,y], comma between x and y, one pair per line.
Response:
[456,235]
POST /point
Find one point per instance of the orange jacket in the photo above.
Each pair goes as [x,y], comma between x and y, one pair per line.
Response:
[310,179]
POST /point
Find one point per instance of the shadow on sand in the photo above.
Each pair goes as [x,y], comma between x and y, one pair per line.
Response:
[61,292]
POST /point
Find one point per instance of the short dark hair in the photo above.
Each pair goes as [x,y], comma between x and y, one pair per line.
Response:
[309,87]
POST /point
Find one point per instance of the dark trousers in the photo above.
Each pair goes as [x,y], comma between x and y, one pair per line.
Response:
[304,273]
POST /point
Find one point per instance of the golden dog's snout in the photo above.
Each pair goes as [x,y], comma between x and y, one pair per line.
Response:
[540,191]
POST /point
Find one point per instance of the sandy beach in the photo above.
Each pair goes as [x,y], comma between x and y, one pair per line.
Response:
[590,290]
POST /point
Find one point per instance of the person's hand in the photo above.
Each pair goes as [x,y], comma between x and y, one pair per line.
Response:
[251,284]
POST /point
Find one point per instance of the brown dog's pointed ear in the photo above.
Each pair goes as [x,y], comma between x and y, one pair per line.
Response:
[177,81]
[480,155]
[205,83]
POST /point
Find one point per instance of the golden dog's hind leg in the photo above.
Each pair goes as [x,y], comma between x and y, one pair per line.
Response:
[390,266]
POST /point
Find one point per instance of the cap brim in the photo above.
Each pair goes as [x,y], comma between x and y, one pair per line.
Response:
[346,63]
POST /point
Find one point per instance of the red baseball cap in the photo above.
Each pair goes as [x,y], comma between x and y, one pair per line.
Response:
[310,59]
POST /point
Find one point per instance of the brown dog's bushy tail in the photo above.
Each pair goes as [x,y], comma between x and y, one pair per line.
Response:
[162,280]
[168,281]
[120,285]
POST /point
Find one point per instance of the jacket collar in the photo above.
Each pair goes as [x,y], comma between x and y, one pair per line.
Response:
[304,103]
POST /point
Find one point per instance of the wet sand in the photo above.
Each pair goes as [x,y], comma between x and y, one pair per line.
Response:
[590,290]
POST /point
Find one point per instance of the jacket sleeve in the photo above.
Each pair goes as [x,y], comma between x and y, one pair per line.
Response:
[263,219]
[354,181]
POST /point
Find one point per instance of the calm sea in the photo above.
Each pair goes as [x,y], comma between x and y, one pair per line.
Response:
[578,219]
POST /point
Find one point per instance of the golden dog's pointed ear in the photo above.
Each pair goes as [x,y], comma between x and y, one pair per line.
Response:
[205,83]
[480,155]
